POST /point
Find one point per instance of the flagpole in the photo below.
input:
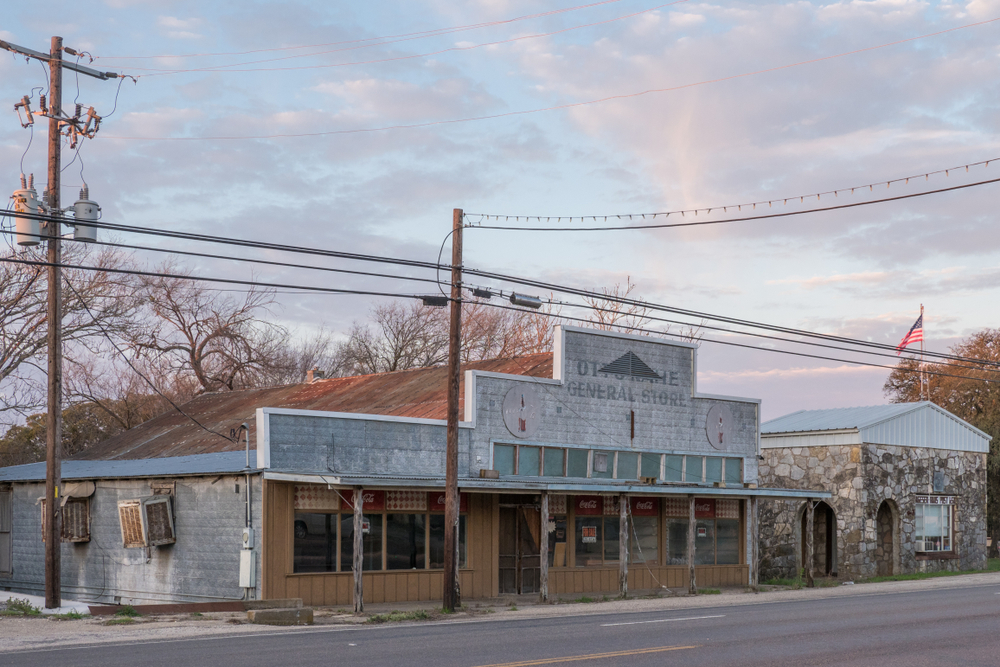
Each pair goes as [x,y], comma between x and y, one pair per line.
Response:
[923,374]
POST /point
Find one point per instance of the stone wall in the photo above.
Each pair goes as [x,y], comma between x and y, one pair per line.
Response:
[860,478]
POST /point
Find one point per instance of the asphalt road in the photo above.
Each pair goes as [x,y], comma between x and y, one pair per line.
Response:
[936,627]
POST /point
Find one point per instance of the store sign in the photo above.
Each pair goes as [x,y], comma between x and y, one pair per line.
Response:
[936,500]
[589,505]
[702,531]
[644,506]
[436,501]
[704,508]
[366,526]
[371,501]
[522,411]
[589,534]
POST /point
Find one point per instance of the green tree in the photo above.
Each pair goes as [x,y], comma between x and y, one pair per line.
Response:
[968,390]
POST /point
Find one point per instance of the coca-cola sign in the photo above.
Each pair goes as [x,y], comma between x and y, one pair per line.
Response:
[704,508]
[371,500]
[589,505]
[436,501]
[644,506]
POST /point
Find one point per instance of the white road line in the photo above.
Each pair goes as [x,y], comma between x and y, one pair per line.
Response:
[663,620]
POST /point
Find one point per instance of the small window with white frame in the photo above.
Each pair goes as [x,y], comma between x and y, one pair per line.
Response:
[934,515]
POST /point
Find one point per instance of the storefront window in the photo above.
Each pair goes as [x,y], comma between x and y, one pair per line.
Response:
[589,540]
[371,542]
[694,469]
[673,469]
[604,465]
[315,547]
[628,465]
[644,514]
[612,539]
[555,458]
[717,532]
[576,462]
[704,542]
[677,535]
[734,471]
[933,529]
[503,459]
[528,461]
[713,469]
[437,541]
[727,541]
[650,466]
[405,537]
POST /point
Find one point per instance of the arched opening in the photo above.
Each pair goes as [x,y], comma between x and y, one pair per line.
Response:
[824,540]
[885,540]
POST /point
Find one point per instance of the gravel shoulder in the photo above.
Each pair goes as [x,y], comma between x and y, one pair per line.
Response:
[21,633]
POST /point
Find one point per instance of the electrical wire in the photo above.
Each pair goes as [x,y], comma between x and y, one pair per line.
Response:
[702,223]
[132,366]
[708,209]
[227,68]
[414,35]
[558,107]
[189,253]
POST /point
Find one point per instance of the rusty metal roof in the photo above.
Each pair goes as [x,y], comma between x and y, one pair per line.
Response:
[420,392]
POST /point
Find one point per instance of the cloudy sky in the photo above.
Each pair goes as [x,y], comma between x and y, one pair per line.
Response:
[391,114]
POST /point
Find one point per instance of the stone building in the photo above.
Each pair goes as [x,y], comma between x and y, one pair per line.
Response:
[908,487]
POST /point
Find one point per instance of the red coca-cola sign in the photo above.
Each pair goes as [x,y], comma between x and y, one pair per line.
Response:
[641,506]
[371,501]
[589,505]
[704,508]
[436,501]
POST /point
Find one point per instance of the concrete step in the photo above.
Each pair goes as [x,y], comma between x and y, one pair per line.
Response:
[292,616]
[280,603]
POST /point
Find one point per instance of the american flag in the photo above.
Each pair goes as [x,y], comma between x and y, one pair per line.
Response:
[915,335]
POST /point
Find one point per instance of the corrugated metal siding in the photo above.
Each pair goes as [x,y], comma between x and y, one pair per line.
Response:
[927,427]
[835,418]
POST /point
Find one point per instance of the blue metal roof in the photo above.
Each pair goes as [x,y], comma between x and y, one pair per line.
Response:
[174,466]
[922,424]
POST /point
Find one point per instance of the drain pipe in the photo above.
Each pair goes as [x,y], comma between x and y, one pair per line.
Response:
[246,564]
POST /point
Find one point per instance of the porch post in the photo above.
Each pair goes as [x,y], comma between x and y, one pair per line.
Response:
[754,543]
[692,587]
[623,545]
[359,545]
[809,543]
[543,585]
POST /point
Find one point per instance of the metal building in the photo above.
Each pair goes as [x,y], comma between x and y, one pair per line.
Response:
[580,472]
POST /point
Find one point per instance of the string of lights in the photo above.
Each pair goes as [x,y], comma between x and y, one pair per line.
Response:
[476,219]
[364,41]
[232,66]
[557,107]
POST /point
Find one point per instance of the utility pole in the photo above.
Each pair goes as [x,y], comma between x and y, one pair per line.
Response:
[451,596]
[75,128]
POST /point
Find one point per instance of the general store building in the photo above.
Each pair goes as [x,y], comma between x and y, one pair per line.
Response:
[580,472]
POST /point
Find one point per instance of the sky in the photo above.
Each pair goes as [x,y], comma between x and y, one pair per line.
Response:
[361,126]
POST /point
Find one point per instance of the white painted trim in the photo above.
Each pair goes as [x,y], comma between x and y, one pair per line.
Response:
[624,336]
[305,479]
[515,378]
[360,416]
[469,416]
[263,439]
[558,353]
[723,397]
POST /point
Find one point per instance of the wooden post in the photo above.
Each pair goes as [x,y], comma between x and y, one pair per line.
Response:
[623,545]
[754,544]
[359,546]
[53,424]
[692,586]
[451,598]
[543,585]
[809,544]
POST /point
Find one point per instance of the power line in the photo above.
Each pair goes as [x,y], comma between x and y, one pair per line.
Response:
[190,253]
[619,228]
[411,35]
[558,107]
[227,68]
[704,209]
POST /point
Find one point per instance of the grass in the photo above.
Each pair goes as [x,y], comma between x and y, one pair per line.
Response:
[993,564]
[122,620]
[18,607]
[398,616]
[68,616]
[709,591]
[128,611]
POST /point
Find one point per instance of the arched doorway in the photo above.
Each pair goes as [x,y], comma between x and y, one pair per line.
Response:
[824,540]
[885,530]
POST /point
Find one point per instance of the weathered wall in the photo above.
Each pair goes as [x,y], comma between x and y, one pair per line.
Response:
[861,477]
[202,565]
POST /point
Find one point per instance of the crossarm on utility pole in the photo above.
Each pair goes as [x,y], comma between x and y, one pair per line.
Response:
[45,57]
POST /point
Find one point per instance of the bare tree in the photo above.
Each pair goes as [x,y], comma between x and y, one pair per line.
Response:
[610,314]
[95,303]
[302,354]
[224,343]
[401,336]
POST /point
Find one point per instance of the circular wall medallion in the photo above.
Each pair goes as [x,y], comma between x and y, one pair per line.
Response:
[522,411]
[719,426]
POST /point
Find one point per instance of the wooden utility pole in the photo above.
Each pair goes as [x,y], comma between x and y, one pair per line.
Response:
[754,543]
[358,562]
[78,128]
[543,549]
[451,595]
[692,585]
[53,424]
